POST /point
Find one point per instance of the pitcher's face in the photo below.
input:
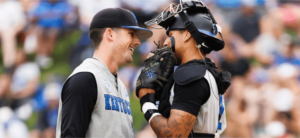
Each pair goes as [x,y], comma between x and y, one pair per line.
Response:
[126,43]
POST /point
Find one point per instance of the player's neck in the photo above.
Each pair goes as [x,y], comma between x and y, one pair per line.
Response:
[192,54]
[111,64]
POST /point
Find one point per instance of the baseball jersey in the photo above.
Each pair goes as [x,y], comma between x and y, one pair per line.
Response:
[207,120]
[111,115]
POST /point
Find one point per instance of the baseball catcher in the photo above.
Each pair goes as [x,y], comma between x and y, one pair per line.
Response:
[190,98]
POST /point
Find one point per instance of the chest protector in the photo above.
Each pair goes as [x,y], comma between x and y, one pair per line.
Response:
[189,72]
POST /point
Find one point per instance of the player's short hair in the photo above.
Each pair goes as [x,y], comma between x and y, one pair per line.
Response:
[96,35]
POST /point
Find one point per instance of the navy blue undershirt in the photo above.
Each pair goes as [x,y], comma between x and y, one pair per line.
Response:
[79,96]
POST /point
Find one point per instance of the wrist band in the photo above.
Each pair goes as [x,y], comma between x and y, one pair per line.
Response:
[150,110]
[148,106]
[149,97]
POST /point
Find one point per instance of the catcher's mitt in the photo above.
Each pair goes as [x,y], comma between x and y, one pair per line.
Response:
[159,66]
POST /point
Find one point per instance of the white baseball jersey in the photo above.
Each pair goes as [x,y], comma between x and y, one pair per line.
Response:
[111,117]
[208,117]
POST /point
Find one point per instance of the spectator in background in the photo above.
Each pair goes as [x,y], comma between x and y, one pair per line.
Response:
[228,9]
[88,8]
[281,109]
[17,129]
[278,28]
[30,29]
[287,55]
[231,58]
[25,80]
[48,116]
[228,4]
[288,1]
[50,17]
[12,21]
[289,13]
[145,9]
[246,25]
[10,125]
[4,87]
[242,109]
[237,66]
[22,87]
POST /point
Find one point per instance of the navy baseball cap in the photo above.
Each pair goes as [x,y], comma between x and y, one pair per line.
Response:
[118,17]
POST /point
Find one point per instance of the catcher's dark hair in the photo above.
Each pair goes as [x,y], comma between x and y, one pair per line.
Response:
[96,35]
[181,31]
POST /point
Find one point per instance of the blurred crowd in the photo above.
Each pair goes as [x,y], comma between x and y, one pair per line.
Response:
[262,52]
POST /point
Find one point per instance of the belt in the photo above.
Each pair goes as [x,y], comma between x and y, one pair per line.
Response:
[201,135]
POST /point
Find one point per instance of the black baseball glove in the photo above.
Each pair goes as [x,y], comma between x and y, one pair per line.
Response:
[158,69]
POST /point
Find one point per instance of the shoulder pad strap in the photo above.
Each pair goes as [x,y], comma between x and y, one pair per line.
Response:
[186,74]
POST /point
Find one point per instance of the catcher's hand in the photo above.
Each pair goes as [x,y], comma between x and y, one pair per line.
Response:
[159,66]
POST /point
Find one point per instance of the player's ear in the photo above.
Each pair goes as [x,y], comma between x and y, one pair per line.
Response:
[109,34]
[187,35]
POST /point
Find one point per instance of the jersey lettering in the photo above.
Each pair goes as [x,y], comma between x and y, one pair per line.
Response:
[114,103]
[124,106]
[107,104]
[129,108]
[117,104]
[120,103]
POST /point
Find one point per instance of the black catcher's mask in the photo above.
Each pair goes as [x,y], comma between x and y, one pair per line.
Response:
[194,16]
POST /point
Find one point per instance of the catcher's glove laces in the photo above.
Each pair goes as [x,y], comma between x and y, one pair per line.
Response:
[158,44]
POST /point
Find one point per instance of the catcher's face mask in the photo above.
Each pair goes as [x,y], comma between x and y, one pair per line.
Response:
[194,16]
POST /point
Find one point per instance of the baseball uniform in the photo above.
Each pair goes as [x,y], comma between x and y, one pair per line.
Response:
[101,110]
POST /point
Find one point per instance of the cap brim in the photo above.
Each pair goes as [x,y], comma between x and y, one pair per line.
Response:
[141,33]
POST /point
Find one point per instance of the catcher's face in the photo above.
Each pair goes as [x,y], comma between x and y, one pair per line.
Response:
[180,40]
[126,43]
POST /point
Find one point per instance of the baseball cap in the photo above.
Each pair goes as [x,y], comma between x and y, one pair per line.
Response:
[118,17]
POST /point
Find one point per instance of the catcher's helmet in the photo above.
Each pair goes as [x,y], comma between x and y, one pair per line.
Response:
[194,16]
